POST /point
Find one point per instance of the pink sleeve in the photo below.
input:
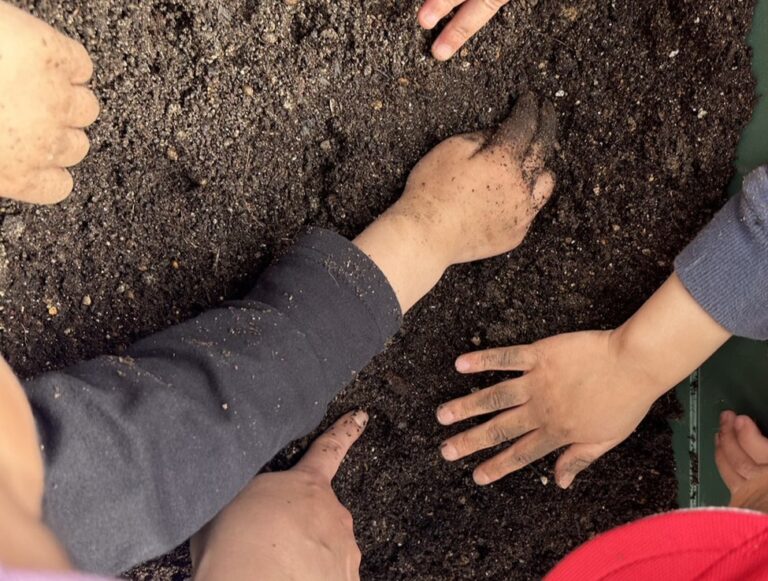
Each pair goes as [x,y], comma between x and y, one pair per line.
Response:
[15,575]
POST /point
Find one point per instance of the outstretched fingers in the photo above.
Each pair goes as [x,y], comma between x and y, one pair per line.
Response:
[505,427]
[505,395]
[531,447]
[517,358]
[328,451]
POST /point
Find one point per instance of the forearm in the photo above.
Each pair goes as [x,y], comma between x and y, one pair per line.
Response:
[144,449]
[668,337]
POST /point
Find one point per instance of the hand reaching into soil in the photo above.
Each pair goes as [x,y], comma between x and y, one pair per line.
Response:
[471,17]
[472,197]
[44,106]
[587,391]
[741,454]
[287,525]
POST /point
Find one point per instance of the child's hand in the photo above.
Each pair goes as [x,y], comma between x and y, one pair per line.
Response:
[741,454]
[476,195]
[471,17]
[43,107]
[576,391]
[587,390]
[288,525]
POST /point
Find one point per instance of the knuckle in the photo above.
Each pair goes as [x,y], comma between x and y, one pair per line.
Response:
[497,434]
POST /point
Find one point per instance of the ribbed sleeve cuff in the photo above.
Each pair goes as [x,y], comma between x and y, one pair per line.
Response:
[725,268]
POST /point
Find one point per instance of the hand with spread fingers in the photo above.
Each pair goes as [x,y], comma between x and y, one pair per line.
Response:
[470,18]
[287,525]
[585,391]
[741,454]
[44,107]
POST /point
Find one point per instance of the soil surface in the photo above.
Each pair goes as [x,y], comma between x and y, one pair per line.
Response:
[230,126]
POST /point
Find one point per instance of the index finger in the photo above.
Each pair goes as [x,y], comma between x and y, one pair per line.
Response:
[328,451]
[517,358]
[470,18]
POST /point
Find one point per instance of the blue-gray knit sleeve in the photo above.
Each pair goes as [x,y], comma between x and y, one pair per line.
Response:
[725,268]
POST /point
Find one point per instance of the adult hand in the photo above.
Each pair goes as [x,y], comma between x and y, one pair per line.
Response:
[741,455]
[471,197]
[287,525]
[44,107]
[471,17]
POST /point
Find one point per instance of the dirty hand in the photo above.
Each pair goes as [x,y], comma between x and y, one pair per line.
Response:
[575,390]
[587,391]
[289,525]
[741,454]
[471,17]
[477,194]
[44,106]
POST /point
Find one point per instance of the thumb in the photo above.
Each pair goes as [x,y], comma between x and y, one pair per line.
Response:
[328,451]
[575,459]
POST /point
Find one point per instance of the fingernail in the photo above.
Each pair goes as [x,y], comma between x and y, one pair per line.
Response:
[481,478]
[444,415]
[430,20]
[740,422]
[565,482]
[442,51]
[448,451]
[361,418]
[462,365]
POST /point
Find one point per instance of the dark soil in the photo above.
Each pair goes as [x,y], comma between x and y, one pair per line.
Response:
[230,126]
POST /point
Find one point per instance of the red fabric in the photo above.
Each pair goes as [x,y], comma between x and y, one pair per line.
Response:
[706,545]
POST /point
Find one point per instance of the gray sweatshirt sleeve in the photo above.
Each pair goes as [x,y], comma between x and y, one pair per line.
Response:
[726,267]
[142,450]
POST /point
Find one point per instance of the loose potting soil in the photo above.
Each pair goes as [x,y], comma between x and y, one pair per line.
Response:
[227,127]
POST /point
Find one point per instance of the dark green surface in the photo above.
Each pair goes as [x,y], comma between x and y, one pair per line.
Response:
[736,377]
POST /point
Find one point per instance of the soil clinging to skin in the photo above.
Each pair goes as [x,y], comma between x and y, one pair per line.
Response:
[230,126]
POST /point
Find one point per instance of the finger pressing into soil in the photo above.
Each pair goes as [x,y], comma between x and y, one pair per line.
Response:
[575,459]
[543,189]
[81,65]
[83,107]
[732,452]
[517,358]
[328,451]
[472,16]
[49,186]
[529,448]
[516,132]
[433,11]
[545,137]
[503,428]
[493,399]
[751,439]
[72,147]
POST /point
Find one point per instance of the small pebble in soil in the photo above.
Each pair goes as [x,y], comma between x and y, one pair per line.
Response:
[326,145]
[248,90]
[53,310]
[475,341]
[377,105]
[175,265]
[544,480]
[172,154]
[87,301]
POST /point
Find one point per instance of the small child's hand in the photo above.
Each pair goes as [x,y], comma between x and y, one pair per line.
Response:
[476,195]
[44,107]
[741,454]
[471,17]
[576,392]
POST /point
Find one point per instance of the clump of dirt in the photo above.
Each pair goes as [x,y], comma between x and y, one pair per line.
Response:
[230,126]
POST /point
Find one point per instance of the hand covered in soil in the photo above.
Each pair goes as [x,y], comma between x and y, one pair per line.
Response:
[476,195]
[741,454]
[586,391]
[44,106]
[288,524]
[471,17]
